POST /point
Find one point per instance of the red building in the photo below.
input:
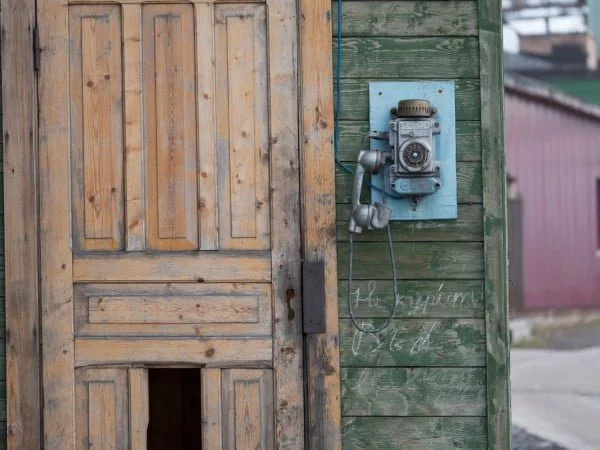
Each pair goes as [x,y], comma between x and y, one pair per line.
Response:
[553,159]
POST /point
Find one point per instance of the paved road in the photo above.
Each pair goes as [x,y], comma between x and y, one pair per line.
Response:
[556,395]
[522,440]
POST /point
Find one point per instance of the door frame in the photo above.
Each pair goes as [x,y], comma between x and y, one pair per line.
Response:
[22,270]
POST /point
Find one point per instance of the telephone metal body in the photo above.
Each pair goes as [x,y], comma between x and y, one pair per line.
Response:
[415,170]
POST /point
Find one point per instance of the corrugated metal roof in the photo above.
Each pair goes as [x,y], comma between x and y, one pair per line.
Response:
[517,61]
[537,90]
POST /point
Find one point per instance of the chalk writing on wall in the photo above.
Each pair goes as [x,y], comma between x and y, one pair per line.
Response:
[416,303]
[391,340]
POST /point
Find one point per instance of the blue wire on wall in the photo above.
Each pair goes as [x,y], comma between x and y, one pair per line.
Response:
[338,100]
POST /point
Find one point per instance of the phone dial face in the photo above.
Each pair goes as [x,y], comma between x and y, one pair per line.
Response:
[415,170]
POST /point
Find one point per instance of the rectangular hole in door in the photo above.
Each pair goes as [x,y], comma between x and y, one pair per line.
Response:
[175,421]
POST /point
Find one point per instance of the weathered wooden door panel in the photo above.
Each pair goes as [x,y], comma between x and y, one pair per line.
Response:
[174,309]
[169,210]
[169,92]
[242,126]
[111,408]
[102,409]
[96,128]
[237,409]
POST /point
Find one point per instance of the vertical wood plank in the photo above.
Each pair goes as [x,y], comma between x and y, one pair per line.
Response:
[139,408]
[247,402]
[102,415]
[247,415]
[134,160]
[207,146]
[242,126]
[495,244]
[17,19]
[170,126]
[55,226]
[242,181]
[96,127]
[211,409]
[285,224]
[102,409]
[319,236]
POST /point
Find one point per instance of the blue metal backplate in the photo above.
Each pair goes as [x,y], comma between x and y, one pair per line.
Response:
[383,96]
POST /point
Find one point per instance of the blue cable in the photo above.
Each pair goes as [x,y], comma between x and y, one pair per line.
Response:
[338,101]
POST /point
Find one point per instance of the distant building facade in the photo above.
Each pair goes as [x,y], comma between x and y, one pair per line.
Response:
[553,158]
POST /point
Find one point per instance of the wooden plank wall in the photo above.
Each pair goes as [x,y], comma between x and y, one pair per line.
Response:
[2,308]
[422,383]
[19,355]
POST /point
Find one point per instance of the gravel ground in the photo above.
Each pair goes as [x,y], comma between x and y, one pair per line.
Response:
[575,339]
[522,440]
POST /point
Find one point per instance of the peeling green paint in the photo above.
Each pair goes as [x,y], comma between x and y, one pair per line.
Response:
[388,375]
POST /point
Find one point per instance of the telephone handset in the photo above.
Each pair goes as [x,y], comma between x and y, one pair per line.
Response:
[377,215]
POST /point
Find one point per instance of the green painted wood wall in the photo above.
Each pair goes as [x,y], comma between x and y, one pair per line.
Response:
[422,383]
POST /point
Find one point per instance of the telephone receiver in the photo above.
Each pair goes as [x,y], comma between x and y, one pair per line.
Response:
[377,215]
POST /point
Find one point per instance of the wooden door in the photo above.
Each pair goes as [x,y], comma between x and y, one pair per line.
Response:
[169,217]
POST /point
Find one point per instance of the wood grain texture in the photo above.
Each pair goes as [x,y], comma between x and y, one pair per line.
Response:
[401,391]
[170,127]
[21,284]
[418,260]
[418,58]
[495,243]
[247,408]
[318,223]
[468,179]
[354,98]
[211,409]
[143,2]
[198,267]
[286,240]
[414,343]
[430,299]
[242,131]
[210,352]
[173,309]
[55,227]
[207,146]
[96,100]
[134,154]
[468,227]
[102,409]
[242,123]
[414,433]
[139,407]
[408,18]
[352,140]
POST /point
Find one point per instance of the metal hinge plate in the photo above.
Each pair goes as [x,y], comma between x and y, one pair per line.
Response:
[313,297]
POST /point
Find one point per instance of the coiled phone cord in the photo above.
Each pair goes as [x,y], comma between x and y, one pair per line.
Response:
[395,284]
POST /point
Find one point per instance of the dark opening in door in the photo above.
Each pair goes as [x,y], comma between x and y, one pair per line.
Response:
[174,409]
